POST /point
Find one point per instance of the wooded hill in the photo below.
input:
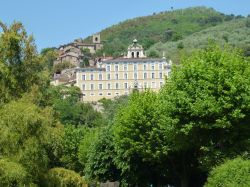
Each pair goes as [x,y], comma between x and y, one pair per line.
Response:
[235,33]
[168,26]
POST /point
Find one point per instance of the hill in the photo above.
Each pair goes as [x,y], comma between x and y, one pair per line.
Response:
[235,33]
[165,26]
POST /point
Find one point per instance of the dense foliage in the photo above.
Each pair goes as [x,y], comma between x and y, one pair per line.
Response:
[232,173]
[64,178]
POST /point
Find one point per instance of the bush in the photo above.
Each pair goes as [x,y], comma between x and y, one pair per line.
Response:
[60,177]
[232,173]
[12,174]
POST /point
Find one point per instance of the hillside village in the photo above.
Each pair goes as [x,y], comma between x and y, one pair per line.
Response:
[110,77]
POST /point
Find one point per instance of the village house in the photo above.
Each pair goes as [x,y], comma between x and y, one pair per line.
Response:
[72,52]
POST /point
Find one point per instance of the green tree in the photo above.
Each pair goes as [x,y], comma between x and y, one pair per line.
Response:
[100,163]
[20,66]
[86,57]
[153,54]
[69,109]
[60,177]
[140,141]
[48,56]
[231,173]
[61,66]
[13,174]
[70,146]
[25,134]
[205,109]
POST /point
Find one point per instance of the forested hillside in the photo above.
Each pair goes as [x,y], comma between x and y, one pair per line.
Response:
[165,26]
[235,33]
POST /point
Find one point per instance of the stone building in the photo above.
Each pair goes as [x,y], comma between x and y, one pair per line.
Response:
[72,52]
[116,77]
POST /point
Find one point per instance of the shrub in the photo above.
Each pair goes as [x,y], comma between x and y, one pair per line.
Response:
[232,173]
[60,177]
[12,174]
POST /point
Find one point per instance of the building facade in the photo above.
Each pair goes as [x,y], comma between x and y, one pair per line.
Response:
[112,78]
[72,52]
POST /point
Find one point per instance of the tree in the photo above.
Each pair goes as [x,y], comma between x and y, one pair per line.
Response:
[48,56]
[65,102]
[60,177]
[13,174]
[70,146]
[205,109]
[86,57]
[153,54]
[100,163]
[25,136]
[19,64]
[234,172]
[61,66]
[139,141]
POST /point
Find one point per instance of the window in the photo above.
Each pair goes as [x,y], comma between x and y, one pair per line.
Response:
[108,76]
[145,75]
[135,67]
[116,67]
[83,87]
[109,93]
[137,54]
[100,86]
[91,77]
[145,67]
[109,86]
[100,93]
[126,85]
[92,94]
[153,75]
[117,93]
[116,76]
[100,76]
[108,67]
[145,84]
[160,66]
[152,66]
[125,76]
[125,67]
[117,86]
[135,75]
[161,84]
[160,75]
[84,77]
[92,86]
[153,85]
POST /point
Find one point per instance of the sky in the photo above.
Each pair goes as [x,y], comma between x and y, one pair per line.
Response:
[57,22]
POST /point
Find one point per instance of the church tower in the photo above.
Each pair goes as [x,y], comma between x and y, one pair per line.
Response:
[96,39]
[135,50]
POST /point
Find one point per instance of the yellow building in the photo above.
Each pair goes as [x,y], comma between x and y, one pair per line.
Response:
[121,76]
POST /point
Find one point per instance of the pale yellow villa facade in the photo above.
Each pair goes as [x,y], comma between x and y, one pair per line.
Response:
[112,78]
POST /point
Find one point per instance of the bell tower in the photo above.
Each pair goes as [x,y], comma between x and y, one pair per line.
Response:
[96,38]
[135,50]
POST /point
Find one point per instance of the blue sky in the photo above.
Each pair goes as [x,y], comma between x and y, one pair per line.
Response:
[55,22]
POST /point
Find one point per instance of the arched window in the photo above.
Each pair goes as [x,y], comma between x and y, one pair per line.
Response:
[138,54]
[133,55]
